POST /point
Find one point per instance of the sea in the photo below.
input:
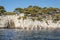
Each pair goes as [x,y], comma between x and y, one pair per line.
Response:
[17,34]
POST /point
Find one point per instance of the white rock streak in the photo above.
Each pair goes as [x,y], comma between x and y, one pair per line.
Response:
[28,24]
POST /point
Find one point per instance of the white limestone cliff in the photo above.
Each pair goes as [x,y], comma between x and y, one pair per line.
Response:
[28,23]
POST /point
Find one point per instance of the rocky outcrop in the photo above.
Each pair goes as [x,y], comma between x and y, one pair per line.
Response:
[12,21]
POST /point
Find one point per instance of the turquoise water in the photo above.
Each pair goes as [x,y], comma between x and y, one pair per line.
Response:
[17,34]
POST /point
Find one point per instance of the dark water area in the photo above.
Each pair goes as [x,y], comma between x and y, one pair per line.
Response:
[17,34]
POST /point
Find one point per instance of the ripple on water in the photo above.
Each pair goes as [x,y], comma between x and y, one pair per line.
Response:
[17,34]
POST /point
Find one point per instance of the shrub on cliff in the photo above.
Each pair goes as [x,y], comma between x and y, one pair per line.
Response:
[40,18]
[2,10]
[9,13]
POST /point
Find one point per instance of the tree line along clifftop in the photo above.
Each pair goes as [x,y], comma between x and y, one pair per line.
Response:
[35,11]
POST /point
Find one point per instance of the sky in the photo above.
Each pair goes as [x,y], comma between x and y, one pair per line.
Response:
[10,5]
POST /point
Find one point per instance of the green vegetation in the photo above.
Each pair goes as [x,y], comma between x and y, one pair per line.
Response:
[33,18]
[40,18]
[57,17]
[9,13]
[24,17]
[34,11]
[2,10]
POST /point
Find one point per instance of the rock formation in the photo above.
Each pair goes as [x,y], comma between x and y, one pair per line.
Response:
[12,21]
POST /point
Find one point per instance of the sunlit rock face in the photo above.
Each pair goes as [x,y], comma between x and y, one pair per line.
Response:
[12,21]
[3,21]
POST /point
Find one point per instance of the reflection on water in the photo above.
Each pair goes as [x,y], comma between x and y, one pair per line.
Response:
[17,34]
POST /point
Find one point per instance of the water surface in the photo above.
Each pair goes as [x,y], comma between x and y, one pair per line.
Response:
[17,34]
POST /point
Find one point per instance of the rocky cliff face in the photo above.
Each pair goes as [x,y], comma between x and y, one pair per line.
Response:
[12,21]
